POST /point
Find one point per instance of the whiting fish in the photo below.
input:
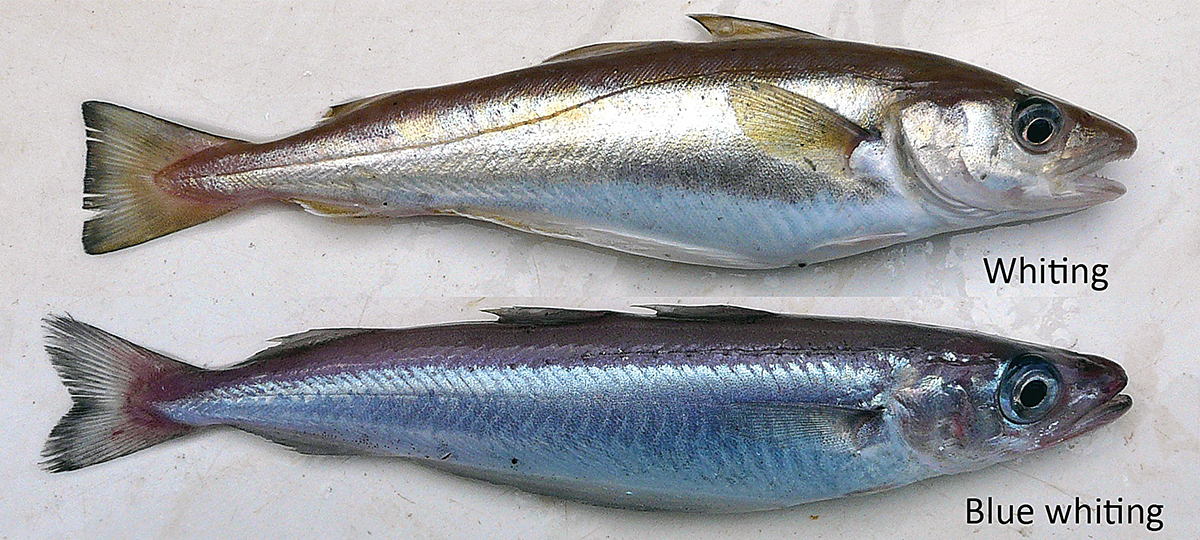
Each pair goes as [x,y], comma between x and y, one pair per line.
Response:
[766,147]
[713,409]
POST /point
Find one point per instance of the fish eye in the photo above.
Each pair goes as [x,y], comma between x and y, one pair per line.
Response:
[1028,389]
[1036,122]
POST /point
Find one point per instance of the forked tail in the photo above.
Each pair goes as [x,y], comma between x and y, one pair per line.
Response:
[108,379]
[126,149]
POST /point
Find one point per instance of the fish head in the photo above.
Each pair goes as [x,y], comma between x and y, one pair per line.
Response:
[997,152]
[985,400]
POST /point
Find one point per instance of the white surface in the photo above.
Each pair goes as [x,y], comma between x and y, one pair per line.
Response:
[215,293]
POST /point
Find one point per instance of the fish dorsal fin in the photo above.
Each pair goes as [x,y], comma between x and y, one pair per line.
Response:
[342,109]
[847,428]
[544,316]
[721,27]
[599,49]
[788,125]
[724,27]
[707,313]
[303,340]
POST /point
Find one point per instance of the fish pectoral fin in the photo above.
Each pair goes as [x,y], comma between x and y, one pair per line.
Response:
[327,209]
[847,428]
[790,126]
[707,313]
[723,27]
[599,49]
[543,316]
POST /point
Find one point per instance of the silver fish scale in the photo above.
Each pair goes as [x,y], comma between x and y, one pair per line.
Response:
[646,422]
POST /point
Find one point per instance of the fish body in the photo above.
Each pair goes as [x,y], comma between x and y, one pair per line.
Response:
[708,409]
[765,148]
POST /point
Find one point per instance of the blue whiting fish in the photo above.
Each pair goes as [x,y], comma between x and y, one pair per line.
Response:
[714,409]
[764,148]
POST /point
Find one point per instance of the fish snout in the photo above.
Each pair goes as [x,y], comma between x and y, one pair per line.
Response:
[1120,138]
[1104,374]
[1104,141]
[1128,142]
[1104,380]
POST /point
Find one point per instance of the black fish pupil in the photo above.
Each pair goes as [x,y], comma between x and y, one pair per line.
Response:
[1032,394]
[1039,131]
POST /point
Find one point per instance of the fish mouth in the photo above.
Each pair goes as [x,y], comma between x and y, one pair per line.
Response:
[1081,192]
[1081,187]
[1102,415]
[1092,189]
[1077,188]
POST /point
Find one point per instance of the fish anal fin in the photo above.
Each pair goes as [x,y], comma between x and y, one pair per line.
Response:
[707,313]
[856,245]
[304,444]
[598,49]
[328,209]
[724,27]
[849,429]
[544,316]
[790,126]
[613,237]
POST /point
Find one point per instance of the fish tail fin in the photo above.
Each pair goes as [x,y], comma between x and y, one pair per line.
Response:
[126,149]
[107,378]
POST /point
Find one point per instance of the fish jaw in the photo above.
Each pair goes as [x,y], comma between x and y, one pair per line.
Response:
[1100,401]
[1078,193]
[1071,182]
[1088,150]
[1094,189]
[1112,409]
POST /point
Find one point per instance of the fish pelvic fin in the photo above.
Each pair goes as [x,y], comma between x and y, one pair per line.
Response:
[126,150]
[107,378]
